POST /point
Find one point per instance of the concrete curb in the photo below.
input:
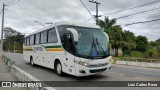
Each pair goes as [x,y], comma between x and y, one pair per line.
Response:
[140,64]
[22,75]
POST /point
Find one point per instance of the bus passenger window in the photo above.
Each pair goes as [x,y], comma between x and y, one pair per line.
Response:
[28,41]
[52,36]
[37,38]
[32,39]
[44,37]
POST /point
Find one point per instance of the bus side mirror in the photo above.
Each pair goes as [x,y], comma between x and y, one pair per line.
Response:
[107,36]
[75,34]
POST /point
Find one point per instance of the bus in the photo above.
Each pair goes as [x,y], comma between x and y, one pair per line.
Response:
[77,49]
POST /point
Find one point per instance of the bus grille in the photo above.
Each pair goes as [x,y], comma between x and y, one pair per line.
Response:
[97,70]
[98,65]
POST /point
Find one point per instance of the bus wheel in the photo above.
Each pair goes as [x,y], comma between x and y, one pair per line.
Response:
[31,61]
[59,68]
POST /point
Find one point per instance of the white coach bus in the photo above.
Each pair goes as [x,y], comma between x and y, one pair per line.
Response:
[76,49]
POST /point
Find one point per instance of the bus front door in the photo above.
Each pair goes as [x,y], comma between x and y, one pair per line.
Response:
[68,44]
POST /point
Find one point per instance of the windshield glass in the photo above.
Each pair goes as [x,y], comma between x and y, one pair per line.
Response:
[92,43]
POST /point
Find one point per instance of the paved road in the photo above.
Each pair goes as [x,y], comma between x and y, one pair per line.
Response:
[117,73]
[5,75]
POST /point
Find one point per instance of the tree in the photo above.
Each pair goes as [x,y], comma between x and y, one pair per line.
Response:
[158,45]
[108,26]
[118,37]
[13,39]
[128,42]
[158,40]
[113,31]
[8,32]
[142,43]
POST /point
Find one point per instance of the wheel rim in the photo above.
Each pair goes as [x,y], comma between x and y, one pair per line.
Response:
[31,62]
[59,68]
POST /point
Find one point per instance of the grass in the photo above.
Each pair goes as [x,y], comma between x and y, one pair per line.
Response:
[137,54]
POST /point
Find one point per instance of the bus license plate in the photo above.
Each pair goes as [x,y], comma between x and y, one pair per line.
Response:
[98,73]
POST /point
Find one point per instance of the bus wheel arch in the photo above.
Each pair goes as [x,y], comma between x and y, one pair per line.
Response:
[58,67]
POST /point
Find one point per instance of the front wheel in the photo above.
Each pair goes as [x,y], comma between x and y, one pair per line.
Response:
[59,68]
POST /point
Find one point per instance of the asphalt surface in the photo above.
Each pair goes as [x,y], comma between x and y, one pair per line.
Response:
[117,73]
[5,75]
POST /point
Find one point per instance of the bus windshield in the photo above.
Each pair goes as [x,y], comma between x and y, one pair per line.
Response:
[92,43]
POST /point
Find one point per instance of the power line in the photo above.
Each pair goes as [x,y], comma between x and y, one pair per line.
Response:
[132,8]
[143,22]
[13,3]
[142,5]
[132,14]
[88,20]
[88,10]
[138,13]
[10,2]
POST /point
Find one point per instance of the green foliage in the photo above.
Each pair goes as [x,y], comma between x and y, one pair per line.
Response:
[118,37]
[152,53]
[130,44]
[118,58]
[13,40]
[137,54]
[8,32]
[107,24]
[126,55]
[142,43]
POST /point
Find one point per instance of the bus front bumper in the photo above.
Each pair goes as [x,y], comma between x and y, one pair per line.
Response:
[86,71]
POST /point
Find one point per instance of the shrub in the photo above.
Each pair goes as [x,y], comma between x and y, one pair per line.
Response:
[136,54]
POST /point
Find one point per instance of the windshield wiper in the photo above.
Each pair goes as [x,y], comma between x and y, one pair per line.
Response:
[100,47]
[108,53]
[93,46]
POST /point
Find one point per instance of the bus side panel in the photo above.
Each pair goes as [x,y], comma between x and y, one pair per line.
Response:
[27,52]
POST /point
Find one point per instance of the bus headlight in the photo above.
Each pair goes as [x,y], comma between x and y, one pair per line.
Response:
[82,63]
[109,61]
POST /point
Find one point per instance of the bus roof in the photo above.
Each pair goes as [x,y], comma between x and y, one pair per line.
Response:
[65,23]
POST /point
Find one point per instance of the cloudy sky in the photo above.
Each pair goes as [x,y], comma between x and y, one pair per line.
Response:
[22,15]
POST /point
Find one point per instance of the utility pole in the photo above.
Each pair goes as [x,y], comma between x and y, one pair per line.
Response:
[96,16]
[2,28]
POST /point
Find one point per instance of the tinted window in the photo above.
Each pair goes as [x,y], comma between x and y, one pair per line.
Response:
[24,41]
[68,43]
[62,30]
[66,38]
[44,37]
[28,41]
[37,38]
[52,36]
[32,40]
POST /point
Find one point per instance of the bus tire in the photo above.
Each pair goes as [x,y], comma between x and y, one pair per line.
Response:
[31,61]
[58,68]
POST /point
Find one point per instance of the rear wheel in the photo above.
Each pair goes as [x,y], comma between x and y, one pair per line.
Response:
[31,61]
[58,68]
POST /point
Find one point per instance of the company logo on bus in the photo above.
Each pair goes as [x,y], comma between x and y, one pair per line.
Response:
[38,49]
